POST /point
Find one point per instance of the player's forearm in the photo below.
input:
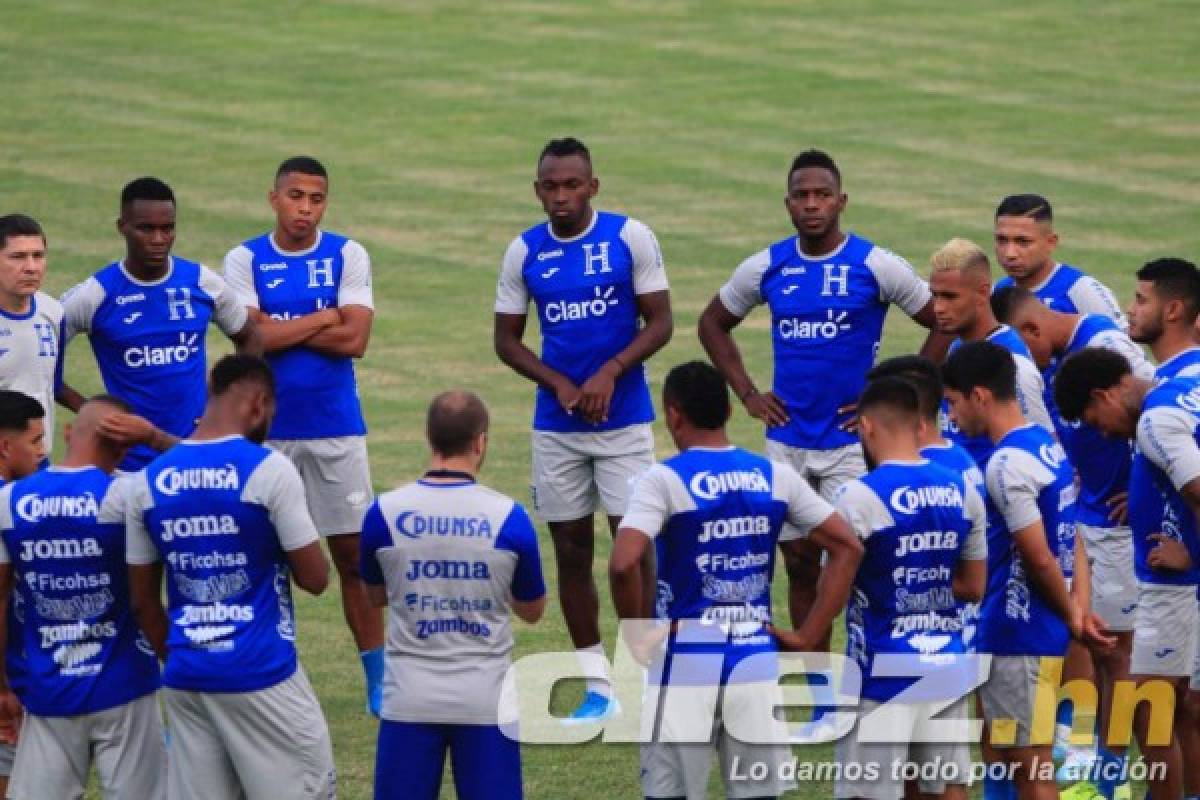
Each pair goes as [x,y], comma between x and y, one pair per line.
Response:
[1049,582]
[249,340]
[1081,581]
[69,398]
[648,341]
[282,334]
[343,339]
[152,620]
[626,586]
[523,361]
[831,595]
[726,357]
[936,346]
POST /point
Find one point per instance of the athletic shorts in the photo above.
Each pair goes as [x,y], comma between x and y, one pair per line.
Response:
[410,757]
[1008,699]
[576,474]
[1114,585]
[752,751]
[1164,634]
[55,754]
[337,480]
[825,470]
[264,745]
[879,766]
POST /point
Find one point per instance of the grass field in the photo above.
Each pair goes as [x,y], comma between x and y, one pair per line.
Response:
[430,117]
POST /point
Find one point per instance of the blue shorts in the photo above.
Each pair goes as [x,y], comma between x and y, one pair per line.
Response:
[410,757]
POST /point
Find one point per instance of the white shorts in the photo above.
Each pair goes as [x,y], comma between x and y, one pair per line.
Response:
[1114,584]
[337,480]
[263,745]
[825,470]
[887,760]
[55,754]
[575,474]
[1009,696]
[1164,634]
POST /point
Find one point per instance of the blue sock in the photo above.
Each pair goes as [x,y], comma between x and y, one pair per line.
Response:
[1065,713]
[1108,772]
[372,661]
[998,788]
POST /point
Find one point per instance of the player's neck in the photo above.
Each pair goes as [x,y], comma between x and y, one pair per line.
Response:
[1172,342]
[700,437]
[88,455]
[1062,329]
[15,303]
[984,326]
[292,244]
[573,228]
[896,448]
[1036,279]
[144,272]
[931,436]
[1004,419]
[451,469]
[821,245]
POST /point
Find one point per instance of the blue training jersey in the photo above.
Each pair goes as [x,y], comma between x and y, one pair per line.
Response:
[1072,291]
[221,515]
[1184,364]
[65,540]
[917,520]
[1029,480]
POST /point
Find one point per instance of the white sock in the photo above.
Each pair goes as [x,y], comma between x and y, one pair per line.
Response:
[593,664]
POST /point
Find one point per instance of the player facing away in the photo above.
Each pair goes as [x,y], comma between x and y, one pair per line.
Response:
[1163,314]
[715,513]
[1098,387]
[31,321]
[599,288]
[450,559]
[924,530]
[1102,466]
[90,686]
[310,291]
[1028,614]
[22,452]
[224,520]
[1025,241]
[146,317]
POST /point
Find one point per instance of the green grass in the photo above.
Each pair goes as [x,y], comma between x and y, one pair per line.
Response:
[430,117]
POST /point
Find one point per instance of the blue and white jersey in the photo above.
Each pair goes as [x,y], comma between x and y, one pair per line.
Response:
[715,516]
[63,532]
[452,556]
[14,650]
[1029,480]
[1073,291]
[318,395]
[1031,392]
[827,315]
[31,347]
[1102,463]
[149,340]
[221,515]
[1166,459]
[917,520]
[585,290]
[1184,364]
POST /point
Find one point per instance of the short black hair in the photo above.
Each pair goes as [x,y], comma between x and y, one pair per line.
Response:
[893,392]
[567,146]
[305,165]
[1008,300]
[1083,372]
[240,368]
[815,158]
[17,409]
[19,225]
[1033,206]
[921,372]
[147,188]
[454,420]
[983,365]
[699,392]
[1174,279]
[110,400]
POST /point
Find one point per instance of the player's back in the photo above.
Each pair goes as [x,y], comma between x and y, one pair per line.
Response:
[30,355]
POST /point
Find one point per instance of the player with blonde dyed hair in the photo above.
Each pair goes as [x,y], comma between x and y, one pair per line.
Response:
[958,255]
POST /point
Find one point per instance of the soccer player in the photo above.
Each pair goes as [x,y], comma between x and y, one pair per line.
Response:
[224,519]
[449,559]
[924,530]
[715,513]
[600,291]
[22,452]
[309,289]
[1025,241]
[31,321]
[1166,303]
[1098,386]
[1028,614]
[146,317]
[90,686]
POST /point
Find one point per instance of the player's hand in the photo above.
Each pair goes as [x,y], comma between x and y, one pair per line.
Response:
[767,407]
[851,424]
[568,395]
[10,717]
[792,641]
[128,429]
[596,394]
[1168,553]
[1095,633]
[1118,506]
[645,638]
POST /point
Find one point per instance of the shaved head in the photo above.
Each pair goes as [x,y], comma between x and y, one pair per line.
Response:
[454,421]
[1012,305]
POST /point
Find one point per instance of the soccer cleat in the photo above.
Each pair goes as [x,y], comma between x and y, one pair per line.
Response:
[594,708]
[1082,790]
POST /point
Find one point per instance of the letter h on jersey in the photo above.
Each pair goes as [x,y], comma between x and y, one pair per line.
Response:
[841,279]
[590,259]
[179,299]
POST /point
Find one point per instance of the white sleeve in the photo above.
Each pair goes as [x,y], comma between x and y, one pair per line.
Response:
[139,549]
[649,273]
[239,275]
[1014,481]
[860,507]
[744,289]
[275,484]
[228,310]
[898,283]
[649,503]
[355,289]
[1119,342]
[79,307]
[975,547]
[1031,388]
[805,508]
[6,520]
[1090,296]
[116,500]
[512,296]
[1167,436]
